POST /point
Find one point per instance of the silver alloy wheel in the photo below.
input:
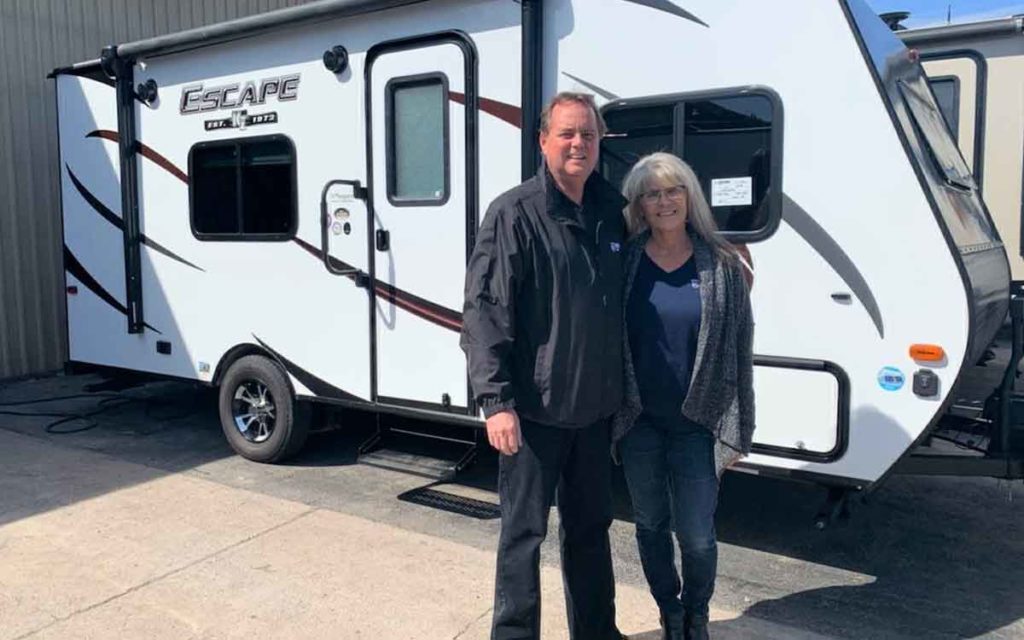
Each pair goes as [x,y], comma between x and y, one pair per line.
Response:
[253,411]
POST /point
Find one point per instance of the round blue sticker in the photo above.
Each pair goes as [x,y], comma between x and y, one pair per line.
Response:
[891,379]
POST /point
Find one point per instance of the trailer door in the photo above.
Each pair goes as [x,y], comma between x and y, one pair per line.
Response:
[421,195]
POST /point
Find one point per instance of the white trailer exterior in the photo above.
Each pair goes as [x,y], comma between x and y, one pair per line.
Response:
[319,219]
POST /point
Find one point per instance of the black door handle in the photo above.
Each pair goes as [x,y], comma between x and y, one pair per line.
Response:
[383,240]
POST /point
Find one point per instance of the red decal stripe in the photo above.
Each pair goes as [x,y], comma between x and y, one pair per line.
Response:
[501,110]
[146,152]
[415,305]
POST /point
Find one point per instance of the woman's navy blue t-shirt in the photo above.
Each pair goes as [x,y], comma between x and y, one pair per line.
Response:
[663,316]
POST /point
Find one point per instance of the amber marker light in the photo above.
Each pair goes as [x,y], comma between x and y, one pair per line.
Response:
[927,352]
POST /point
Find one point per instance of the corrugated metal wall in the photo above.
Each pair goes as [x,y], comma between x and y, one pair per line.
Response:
[35,37]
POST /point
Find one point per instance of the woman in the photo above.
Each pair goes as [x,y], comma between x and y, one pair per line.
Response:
[689,407]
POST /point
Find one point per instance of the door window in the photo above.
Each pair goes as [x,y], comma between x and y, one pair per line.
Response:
[417,140]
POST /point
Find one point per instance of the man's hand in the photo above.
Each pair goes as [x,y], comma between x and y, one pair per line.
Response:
[503,432]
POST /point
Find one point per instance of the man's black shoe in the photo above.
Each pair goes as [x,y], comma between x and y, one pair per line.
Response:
[695,628]
[671,627]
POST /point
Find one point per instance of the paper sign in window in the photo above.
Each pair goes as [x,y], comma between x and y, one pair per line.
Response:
[732,192]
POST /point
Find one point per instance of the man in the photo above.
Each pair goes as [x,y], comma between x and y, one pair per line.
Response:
[542,332]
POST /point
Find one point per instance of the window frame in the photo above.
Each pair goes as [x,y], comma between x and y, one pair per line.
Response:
[954,127]
[980,102]
[241,236]
[390,87]
[677,100]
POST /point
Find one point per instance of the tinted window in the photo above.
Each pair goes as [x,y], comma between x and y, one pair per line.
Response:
[633,133]
[243,189]
[728,139]
[417,145]
[728,142]
[947,95]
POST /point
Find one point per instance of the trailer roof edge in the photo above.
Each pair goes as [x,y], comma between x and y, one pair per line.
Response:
[74,68]
[1013,25]
[252,25]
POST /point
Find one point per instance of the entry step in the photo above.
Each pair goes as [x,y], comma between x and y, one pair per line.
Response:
[407,462]
[431,451]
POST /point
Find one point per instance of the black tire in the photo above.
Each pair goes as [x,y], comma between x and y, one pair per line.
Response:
[258,413]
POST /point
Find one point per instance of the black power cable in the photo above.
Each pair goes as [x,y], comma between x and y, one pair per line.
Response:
[107,402]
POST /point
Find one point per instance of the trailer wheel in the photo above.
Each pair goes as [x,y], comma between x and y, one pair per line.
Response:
[259,415]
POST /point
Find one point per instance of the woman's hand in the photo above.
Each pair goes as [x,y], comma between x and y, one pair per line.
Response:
[503,432]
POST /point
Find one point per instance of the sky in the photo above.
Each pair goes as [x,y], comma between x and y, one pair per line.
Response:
[926,13]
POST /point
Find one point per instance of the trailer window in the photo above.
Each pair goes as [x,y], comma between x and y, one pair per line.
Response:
[731,138]
[930,123]
[947,96]
[728,143]
[417,140]
[243,189]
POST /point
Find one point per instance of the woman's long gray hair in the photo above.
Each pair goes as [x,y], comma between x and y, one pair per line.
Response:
[665,168]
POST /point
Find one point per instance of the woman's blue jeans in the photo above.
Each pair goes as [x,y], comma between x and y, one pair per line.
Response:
[670,471]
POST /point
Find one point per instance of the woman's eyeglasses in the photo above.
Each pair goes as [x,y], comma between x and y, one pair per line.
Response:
[677,192]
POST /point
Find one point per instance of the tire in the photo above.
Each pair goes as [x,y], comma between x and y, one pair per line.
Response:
[258,413]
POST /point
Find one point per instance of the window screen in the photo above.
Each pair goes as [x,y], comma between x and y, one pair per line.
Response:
[732,139]
[417,140]
[243,189]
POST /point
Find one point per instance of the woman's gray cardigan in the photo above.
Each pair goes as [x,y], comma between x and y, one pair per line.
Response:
[721,394]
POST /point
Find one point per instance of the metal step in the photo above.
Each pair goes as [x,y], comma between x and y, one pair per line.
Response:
[425,453]
[974,434]
[406,462]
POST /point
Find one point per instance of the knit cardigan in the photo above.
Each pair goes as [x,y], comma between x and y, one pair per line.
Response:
[721,393]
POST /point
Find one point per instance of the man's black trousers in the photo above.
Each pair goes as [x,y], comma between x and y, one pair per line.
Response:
[576,464]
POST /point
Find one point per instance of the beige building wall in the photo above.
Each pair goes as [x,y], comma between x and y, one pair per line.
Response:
[1003,134]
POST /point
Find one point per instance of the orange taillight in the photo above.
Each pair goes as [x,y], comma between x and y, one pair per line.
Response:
[927,352]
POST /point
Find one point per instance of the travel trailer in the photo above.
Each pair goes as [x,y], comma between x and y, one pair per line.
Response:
[282,206]
[975,71]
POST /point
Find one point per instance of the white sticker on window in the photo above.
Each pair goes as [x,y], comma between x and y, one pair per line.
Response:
[732,192]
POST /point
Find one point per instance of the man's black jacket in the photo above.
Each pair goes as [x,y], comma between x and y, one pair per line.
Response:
[542,322]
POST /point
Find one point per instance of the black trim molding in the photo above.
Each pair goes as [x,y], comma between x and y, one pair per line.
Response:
[390,144]
[240,236]
[842,417]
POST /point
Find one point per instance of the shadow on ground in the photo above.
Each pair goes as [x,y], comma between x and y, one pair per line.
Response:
[924,557]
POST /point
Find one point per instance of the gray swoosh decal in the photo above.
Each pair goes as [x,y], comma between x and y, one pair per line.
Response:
[607,95]
[668,7]
[829,249]
[115,220]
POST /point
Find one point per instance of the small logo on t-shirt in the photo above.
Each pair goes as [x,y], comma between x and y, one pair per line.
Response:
[615,247]
[695,283]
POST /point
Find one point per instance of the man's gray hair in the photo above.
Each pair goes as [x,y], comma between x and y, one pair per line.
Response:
[565,97]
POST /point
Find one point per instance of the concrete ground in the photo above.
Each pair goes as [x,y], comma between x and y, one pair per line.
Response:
[145,525]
